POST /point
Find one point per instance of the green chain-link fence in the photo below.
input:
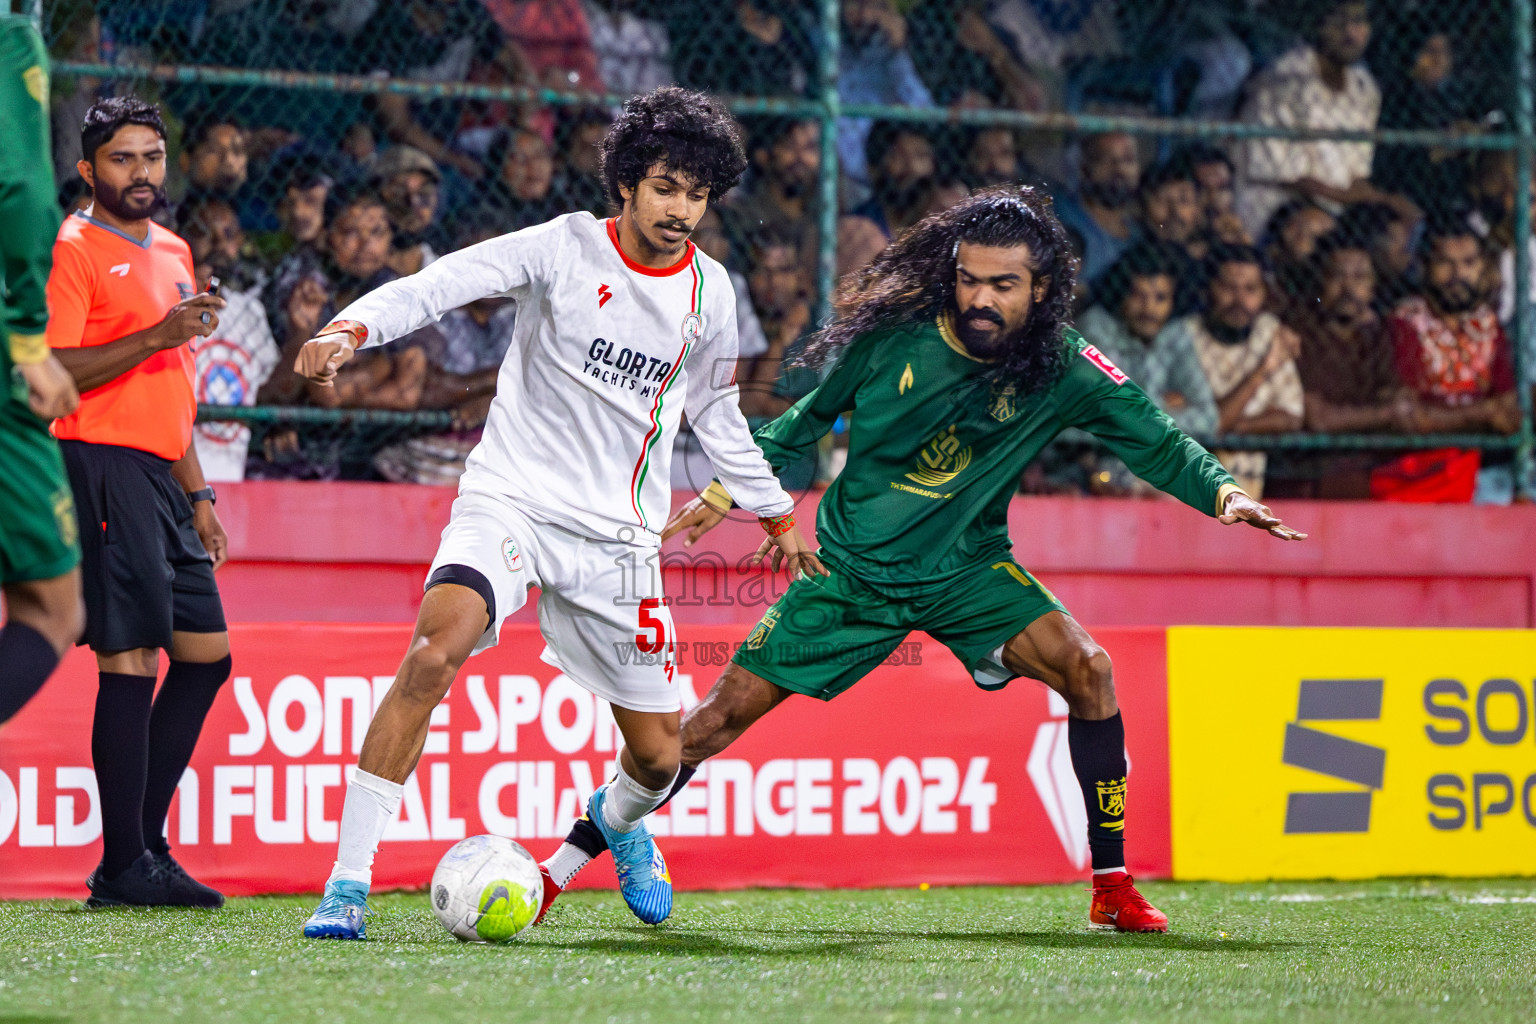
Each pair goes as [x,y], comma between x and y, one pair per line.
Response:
[1368,165]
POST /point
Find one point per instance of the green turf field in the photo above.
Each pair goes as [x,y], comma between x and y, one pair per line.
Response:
[1357,952]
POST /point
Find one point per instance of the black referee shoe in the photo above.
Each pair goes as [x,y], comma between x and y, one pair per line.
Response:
[154,880]
[185,891]
[143,884]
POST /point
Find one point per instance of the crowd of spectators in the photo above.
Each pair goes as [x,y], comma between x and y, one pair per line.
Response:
[1251,287]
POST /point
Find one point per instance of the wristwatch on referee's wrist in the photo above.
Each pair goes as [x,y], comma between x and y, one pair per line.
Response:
[206,494]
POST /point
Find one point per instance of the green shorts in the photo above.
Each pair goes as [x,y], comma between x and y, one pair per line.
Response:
[823,636]
[39,539]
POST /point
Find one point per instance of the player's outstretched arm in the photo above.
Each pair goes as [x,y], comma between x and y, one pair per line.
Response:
[784,541]
[1240,508]
[505,265]
[699,516]
[1154,448]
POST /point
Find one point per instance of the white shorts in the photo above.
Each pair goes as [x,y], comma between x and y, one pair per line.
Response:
[605,620]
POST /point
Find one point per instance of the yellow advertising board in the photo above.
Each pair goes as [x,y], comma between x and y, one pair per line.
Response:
[1351,753]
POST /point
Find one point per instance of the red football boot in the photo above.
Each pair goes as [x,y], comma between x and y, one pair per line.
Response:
[551,890]
[1118,907]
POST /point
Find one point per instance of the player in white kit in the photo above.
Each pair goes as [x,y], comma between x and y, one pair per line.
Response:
[622,326]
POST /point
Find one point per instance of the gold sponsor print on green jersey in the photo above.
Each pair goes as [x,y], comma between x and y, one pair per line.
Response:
[941,460]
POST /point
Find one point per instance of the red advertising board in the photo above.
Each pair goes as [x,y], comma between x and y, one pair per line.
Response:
[916,775]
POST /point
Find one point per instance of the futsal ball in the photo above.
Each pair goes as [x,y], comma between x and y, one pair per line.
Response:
[486,889]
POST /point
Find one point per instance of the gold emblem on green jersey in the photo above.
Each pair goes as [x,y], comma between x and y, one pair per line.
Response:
[64,516]
[759,636]
[941,460]
[906,380]
[1003,406]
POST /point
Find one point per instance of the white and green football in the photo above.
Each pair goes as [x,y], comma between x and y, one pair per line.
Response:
[486,889]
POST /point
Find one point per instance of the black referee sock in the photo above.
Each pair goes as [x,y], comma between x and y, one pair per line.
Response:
[585,836]
[1098,759]
[120,753]
[27,659]
[180,708]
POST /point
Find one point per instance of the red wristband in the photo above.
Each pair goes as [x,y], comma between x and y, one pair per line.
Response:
[353,328]
[777,525]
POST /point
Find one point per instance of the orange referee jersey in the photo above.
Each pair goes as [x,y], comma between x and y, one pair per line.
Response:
[106,285]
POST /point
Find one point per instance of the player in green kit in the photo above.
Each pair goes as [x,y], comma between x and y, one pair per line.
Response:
[39,553]
[955,365]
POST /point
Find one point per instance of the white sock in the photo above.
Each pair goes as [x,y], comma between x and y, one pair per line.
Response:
[1108,871]
[628,801]
[371,802]
[563,864]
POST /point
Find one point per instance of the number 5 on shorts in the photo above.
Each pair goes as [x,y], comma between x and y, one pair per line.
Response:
[656,619]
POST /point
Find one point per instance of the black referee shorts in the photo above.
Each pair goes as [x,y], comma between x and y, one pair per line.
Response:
[144,569]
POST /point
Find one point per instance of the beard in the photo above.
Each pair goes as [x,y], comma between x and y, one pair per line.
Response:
[219,264]
[1227,334]
[986,335]
[124,205]
[1455,297]
[1114,195]
[902,196]
[1346,312]
[794,185]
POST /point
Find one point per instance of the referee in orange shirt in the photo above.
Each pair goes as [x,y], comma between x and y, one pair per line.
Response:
[122,311]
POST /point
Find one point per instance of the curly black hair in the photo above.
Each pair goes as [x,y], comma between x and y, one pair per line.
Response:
[1150,257]
[913,281]
[107,116]
[682,130]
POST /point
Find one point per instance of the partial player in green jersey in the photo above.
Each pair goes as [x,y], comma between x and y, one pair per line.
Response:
[955,366]
[39,553]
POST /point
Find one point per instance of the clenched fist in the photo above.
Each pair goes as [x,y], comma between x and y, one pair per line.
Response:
[323,355]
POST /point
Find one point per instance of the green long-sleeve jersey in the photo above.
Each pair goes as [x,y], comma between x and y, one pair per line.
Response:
[29,214]
[936,449]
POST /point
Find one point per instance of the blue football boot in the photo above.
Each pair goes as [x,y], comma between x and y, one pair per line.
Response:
[643,877]
[342,913]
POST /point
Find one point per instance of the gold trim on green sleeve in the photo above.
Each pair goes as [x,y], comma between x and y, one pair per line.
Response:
[29,349]
[717,497]
[1221,496]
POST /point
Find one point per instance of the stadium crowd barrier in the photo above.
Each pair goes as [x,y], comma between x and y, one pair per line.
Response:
[358,552]
[1255,752]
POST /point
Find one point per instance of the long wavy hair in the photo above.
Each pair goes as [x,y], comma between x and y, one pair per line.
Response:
[913,280]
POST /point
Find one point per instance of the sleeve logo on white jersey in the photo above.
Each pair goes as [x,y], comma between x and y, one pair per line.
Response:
[693,328]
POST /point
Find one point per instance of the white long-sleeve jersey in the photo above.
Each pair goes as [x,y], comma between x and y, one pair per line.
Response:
[606,357]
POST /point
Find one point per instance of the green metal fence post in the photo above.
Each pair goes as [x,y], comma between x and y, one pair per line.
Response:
[826,256]
[1523,341]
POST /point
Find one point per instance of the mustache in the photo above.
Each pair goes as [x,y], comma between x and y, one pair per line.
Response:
[990,316]
[675,226]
